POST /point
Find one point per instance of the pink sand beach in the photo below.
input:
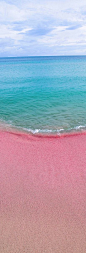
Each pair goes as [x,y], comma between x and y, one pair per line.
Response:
[42,193]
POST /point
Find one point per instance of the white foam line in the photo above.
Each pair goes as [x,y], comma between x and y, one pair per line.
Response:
[38,130]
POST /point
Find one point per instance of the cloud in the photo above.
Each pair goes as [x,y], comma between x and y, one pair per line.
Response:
[74,27]
[10,13]
[6,43]
[42,27]
[39,31]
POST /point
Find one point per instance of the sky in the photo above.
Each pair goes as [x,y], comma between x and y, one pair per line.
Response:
[42,27]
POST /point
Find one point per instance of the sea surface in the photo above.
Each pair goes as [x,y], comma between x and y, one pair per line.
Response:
[43,94]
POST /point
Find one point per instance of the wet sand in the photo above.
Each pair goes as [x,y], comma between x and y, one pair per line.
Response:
[42,193]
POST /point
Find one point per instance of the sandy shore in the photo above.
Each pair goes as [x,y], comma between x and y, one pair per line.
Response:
[42,193]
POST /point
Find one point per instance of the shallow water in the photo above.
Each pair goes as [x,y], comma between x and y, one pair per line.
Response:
[43,94]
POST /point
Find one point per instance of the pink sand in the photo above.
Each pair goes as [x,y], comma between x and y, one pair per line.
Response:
[42,193]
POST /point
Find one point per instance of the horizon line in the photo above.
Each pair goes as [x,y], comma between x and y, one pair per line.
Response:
[42,56]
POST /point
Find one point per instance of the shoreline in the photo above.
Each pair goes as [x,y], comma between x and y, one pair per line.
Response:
[42,132]
[19,132]
[42,193]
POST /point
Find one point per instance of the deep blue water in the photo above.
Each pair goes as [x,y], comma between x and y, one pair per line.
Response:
[43,94]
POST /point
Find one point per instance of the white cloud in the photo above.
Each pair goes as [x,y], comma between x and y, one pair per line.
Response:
[10,13]
[42,27]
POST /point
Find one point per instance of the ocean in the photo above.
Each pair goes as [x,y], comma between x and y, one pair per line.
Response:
[43,94]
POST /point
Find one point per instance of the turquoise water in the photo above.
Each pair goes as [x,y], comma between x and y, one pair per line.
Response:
[43,94]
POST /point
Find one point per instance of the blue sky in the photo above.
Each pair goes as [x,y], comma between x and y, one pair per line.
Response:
[42,27]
